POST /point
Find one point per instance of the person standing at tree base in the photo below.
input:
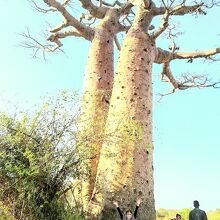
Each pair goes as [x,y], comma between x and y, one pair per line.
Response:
[178,217]
[128,213]
[197,213]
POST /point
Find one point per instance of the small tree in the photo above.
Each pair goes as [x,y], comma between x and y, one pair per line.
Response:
[38,160]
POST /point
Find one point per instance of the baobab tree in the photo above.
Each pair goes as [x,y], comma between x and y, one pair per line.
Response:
[98,76]
[121,164]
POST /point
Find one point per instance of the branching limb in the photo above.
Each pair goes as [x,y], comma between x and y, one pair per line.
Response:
[167,73]
[212,4]
[43,10]
[116,2]
[126,8]
[164,24]
[161,95]
[164,55]
[85,31]
[180,9]
[59,27]
[97,12]
[117,43]
[196,54]
[58,35]
[196,81]
[187,81]
[37,46]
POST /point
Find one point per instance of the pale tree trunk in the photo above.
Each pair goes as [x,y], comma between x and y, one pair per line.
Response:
[95,104]
[125,169]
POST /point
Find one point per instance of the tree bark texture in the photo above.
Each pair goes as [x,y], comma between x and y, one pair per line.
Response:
[125,169]
[95,104]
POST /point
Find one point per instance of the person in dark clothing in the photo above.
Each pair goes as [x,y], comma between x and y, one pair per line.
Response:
[197,213]
[178,217]
[128,213]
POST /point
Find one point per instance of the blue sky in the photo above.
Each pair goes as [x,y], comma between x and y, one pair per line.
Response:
[186,135]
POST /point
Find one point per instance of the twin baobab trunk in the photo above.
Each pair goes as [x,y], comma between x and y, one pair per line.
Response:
[115,139]
[125,169]
[95,103]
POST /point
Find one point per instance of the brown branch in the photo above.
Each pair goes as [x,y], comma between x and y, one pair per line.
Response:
[39,9]
[196,54]
[212,4]
[97,12]
[180,9]
[188,80]
[37,46]
[59,27]
[85,31]
[196,81]
[117,43]
[116,2]
[161,95]
[126,8]
[163,56]
[58,35]
[164,24]
[167,72]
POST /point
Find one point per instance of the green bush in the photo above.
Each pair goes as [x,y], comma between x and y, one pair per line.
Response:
[38,161]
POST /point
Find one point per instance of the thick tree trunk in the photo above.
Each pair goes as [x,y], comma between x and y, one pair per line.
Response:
[95,103]
[125,169]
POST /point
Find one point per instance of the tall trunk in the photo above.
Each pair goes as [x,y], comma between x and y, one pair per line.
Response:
[125,169]
[95,103]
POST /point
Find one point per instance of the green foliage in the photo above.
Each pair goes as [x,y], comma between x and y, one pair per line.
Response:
[163,214]
[4,212]
[38,160]
[214,215]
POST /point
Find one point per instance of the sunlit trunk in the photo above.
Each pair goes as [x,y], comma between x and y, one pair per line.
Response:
[95,104]
[125,169]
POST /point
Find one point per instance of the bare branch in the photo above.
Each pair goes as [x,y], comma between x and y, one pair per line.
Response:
[212,4]
[97,12]
[164,24]
[180,9]
[117,43]
[36,46]
[66,2]
[58,35]
[196,81]
[167,73]
[161,95]
[116,2]
[89,18]
[196,54]
[164,55]
[39,9]
[126,8]
[59,27]
[85,31]
[187,81]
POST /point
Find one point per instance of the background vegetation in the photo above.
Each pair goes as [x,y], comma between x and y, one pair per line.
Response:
[38,161]
[165,214]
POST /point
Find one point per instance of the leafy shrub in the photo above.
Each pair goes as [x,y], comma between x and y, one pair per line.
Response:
[38,160]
